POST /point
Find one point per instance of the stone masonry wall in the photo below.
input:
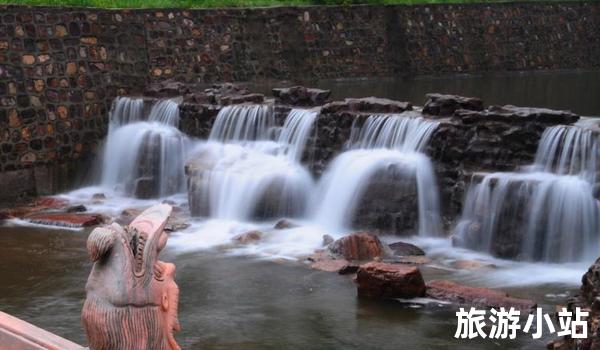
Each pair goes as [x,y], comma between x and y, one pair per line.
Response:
[61,67]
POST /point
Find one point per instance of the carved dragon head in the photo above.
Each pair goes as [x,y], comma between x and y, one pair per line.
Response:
[132,297]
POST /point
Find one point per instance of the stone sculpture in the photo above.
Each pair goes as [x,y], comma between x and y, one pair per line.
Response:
[132,297]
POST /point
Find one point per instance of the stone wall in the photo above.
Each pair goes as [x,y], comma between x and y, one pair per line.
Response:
[61,67]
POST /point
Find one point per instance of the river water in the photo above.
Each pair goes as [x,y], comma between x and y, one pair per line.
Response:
[260,297]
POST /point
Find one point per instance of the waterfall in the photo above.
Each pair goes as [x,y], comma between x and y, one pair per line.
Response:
[295,132]
[165,112]
[546,212]
[126,110]
[243,123]
[382,143]
[407,133]
[569,150]
[144,157]
[243,172]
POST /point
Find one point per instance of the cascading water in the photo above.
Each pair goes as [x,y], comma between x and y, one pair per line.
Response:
[384,143]
[547,212]
[144,158]
[242,173]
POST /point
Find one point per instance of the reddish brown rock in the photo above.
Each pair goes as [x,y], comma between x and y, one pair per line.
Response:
[475,296]
[384,281]
[359,246]
[330,265]
[65,219]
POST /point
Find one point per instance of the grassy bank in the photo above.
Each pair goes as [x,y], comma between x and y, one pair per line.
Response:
[223,3]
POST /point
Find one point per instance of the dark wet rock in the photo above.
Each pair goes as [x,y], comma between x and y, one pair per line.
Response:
[362,246]
[327,240]
[65,219]
[367,105]
[76,209]
[588,300]
[511,113]
[176,224]
[238,99]
[127,216]
[98,196]
[199,98]
[383,281]
[301,96]
[405,249]
[248,237]
[590,283]
[475,296]
[145,187]
[284,224]
[445,105]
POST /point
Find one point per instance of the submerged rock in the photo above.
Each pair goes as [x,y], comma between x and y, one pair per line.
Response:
[327,240]
[285,224]
[405,249]
[330,265]
[76,209]
[359,246]
[472,265]
[301,96]
[475,296]
[65,219]
[384,281]
[446,105]
[248,237]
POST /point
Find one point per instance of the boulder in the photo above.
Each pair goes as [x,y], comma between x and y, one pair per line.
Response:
[285,224]
[76,209]
[65,219]
[383,281]
[405,249]
[446,105]
[301,96]
[475,296]
[248,237]
[367,105]
[359,246]
[327,240]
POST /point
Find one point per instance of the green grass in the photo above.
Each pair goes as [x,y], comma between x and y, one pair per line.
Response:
[223,3]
